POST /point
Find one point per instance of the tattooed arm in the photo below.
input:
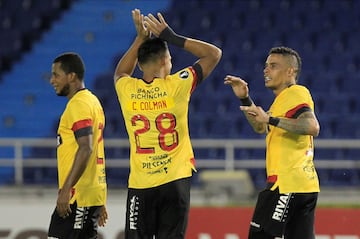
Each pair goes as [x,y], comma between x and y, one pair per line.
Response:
[305,124]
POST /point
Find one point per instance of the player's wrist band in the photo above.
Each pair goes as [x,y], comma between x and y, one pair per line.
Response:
[246,101]
[274,121]
[171,37]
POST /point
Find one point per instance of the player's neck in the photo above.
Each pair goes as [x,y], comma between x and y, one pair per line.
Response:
[150,77]
[76,88]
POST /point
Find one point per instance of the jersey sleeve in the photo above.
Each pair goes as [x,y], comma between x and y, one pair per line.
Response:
[197,72]
[189,78]
[80,119]
[299,102]
[298,110]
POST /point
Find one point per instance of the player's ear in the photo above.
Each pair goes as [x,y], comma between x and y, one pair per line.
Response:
[291,71]
[72,76]
[162,60]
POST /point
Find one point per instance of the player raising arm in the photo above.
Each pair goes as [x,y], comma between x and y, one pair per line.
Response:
[155,110]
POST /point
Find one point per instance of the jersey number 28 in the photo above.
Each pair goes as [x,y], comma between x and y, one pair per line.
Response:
[168,131]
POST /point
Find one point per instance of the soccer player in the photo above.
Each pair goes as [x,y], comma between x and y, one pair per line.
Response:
[80,205]
[155,110]
[286,206]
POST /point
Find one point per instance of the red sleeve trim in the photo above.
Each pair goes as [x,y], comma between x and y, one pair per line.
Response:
[194,83]
[82,124]
[293,113]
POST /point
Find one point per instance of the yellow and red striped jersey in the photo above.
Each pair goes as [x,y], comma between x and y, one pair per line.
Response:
[82,116]
[156,119]
[289,155]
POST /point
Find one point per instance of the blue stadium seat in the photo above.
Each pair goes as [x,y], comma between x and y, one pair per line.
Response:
[352,154]
[321,83]
[351,85]
[352,41]
[259,177]
[47,9]
[6,19]
[222,126]
[319,22]
[43,176]
[344,177]
[327,125]
[328,154]
[348,128]
[248,132]
[114,124]
[10,38]
[214,153]
[198,127]
[334,105]
[12,6]
[257,154]
[28,21]
[117,177]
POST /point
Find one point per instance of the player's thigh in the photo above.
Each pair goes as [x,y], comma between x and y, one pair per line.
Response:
[175,201]
[89,217]
[301,222]
[174,209]
[80,224]
[270,212]
[141,214]
[61,228]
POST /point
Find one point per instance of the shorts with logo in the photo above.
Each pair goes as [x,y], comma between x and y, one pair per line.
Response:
[290,215]
[160,211]
[80,224]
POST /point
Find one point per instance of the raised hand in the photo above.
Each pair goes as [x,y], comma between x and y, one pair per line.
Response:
[138,19]
[239,86]
[154,25]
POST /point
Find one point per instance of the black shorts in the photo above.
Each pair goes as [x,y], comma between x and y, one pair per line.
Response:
[160,211]
[80,224]
[290,215]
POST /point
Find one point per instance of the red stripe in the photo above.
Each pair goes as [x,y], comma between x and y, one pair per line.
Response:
[193,162]
[81,124]
[293,111]
[193,73]
[272,179]
[100,161]
[195,79]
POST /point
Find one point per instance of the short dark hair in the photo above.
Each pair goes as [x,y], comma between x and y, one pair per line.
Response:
[71,62]
[151,49]
[286,51]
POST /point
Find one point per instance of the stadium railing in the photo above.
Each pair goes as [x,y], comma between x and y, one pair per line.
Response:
[18,161]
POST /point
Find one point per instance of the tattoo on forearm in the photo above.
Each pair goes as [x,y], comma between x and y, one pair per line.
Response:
[301,125]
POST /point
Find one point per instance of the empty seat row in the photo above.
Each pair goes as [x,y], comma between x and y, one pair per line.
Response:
[118,177]
[21,23]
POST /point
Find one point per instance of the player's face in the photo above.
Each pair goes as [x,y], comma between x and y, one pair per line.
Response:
[276,72]
[60,80]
